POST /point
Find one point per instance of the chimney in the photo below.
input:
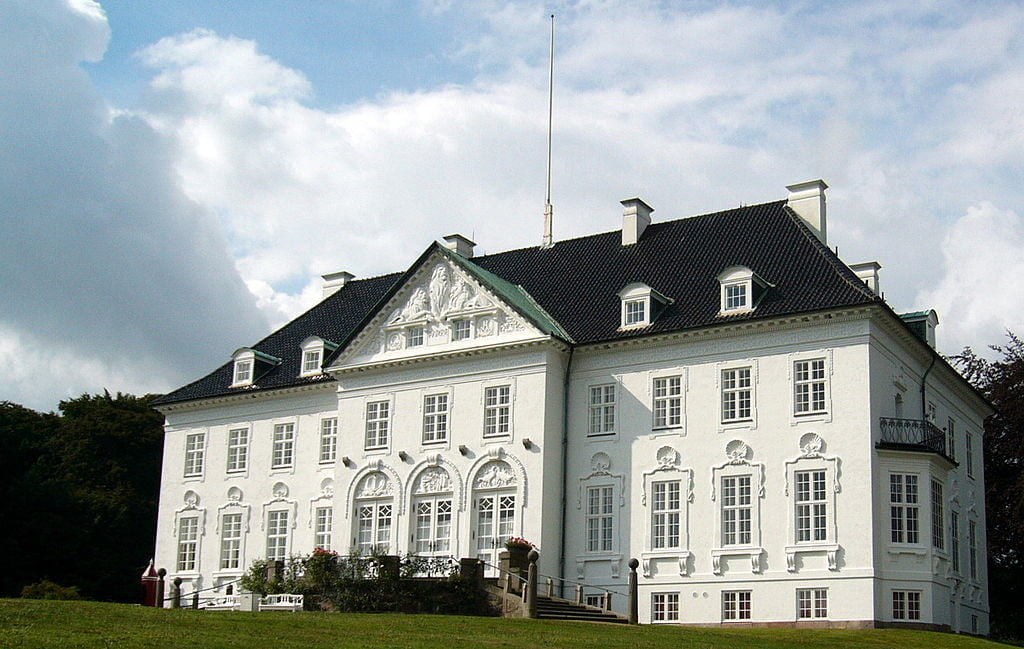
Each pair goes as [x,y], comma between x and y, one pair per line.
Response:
[636,216]
[334,281]
[923,324]
[460,245]
[808,201]
[868,273]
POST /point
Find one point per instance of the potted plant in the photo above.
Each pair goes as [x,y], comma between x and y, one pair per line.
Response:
[518,552]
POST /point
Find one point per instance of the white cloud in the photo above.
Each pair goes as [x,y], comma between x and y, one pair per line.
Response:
[981,281]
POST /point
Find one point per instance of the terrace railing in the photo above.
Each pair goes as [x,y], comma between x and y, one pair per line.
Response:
[911,435]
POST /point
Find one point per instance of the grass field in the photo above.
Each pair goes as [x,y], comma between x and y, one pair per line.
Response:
[55,625]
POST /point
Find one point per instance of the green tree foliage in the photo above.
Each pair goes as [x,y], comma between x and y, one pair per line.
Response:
[81,489]
[1002,381]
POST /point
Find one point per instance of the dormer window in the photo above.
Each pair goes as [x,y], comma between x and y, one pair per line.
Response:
[314,350]
[250,365]
[641,305]
[415,336]
[741,289]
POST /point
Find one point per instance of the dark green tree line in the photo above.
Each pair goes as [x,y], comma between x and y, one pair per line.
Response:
[79,494]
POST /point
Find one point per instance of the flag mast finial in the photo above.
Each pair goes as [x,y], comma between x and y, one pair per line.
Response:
[548,208]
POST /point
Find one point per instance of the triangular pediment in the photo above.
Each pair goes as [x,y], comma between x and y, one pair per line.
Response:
[444,305]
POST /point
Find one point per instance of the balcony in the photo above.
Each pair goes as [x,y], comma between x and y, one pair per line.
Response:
[911,435]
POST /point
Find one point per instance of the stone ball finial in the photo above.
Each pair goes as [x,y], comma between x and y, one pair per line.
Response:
[161,573]
[633,564]
[533,556]
[177,581]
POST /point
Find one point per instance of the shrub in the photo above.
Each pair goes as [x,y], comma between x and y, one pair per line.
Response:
[47,589]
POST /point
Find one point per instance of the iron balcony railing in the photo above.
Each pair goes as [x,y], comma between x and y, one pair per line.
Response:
[912,434]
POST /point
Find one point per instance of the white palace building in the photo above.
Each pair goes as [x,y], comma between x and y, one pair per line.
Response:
[719,397]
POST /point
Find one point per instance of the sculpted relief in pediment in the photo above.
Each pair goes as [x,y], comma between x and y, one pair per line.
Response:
[446,294]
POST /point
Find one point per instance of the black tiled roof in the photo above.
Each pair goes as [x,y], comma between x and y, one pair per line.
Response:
[577,282]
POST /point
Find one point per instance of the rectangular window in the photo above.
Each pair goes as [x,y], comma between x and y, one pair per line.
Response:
[596,600]
[951,438]
[954,540]
[188,541]
[906,605]
[324,526]
[969,457]
[277,535]
[602,409]
[328,440]
[238,449]
[665,514]
[374,527]
[636,312]
[665,607]
[735,297]
[812,603]
[435,418]
[195,447]
[736,510]
[972,547]
[811,506]
[230,541]
[243,371]
[668,401]
[377,421]
[736,605]
[809,386]
[599,519]
[284,446]
[938,520]
[415,336]
[311,361]
[736,394]
[497,411]
[460,329]
[903,508]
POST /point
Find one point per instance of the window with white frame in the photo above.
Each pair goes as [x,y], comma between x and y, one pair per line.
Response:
[374,526]
[243,372]
[283,453]
[238,450]
[969,456]
[737,510]
[497,410]
[906,605]
[435,418]
[972,547]
[602,409]
[635,312]
[414,336]
[904,519]
[594,599]
[809,386]
[195,449]
[811,506]
[311,361]
[668,401]
[277,535]
[600,519]
[328,440]
[811,603]
[736,296]
[954,540]
[938,520]
[951,438]
[324,520]
[377,424]
[737,394]
[736,605]
[640,305]
[188,542]
[666,511]
[930,413]
[231,541]
[665,607]
[461,329]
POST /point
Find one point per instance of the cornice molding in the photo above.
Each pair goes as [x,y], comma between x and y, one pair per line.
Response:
[246,396]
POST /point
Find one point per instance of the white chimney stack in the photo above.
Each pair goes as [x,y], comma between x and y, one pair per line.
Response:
[808,201]
[636,216]
[460,245]
[868,273]
[334,281]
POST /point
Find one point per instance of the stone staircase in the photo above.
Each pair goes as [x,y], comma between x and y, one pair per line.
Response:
[556,608]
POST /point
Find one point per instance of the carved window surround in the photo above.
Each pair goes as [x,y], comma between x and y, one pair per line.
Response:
[812,458]
[668,469]
[739,464]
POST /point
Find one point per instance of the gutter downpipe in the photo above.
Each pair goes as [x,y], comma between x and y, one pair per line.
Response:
[924,379]
[565,468]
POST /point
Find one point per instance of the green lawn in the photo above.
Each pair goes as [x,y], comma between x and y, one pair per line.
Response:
[52,625]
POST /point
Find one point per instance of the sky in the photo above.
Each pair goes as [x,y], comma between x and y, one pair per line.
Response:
[176,176]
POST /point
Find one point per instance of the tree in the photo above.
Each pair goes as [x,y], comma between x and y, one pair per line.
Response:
[1002,382]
